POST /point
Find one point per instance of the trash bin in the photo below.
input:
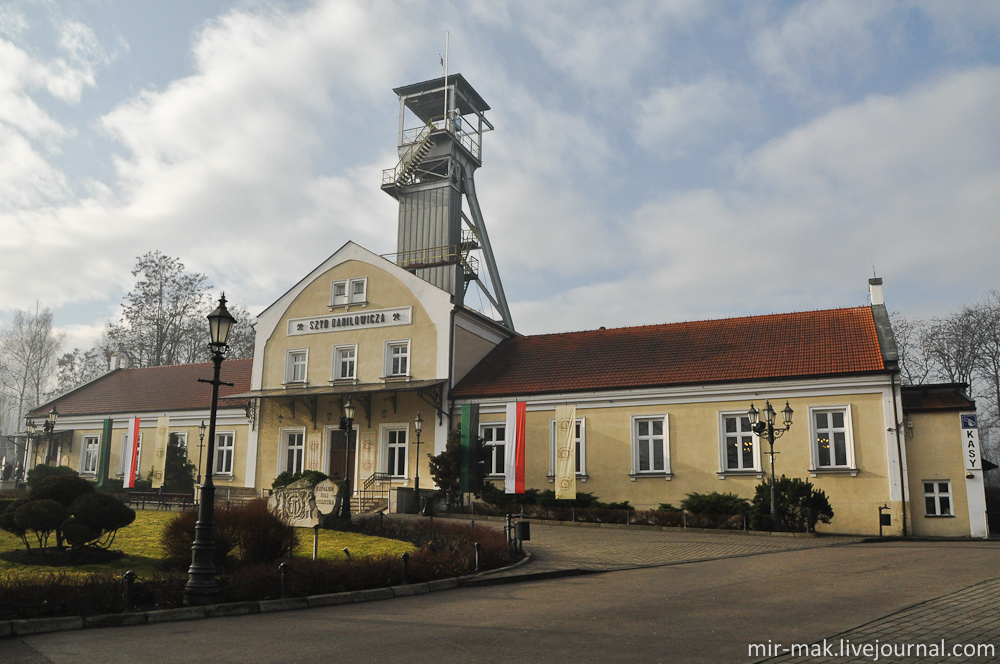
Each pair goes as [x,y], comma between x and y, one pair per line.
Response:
[522,531]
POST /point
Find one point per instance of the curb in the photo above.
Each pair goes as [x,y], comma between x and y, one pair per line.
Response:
[27,627]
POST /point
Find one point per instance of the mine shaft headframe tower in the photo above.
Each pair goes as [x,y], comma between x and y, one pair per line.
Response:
[441,127]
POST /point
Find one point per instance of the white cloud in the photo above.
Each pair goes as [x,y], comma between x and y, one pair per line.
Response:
[673,117]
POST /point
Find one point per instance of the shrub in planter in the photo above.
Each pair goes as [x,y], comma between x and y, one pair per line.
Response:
[715,503]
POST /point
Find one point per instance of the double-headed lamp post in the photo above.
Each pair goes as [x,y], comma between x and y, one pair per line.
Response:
[29,427]
[202,587]
[767,427]
[201,443]
[345,511]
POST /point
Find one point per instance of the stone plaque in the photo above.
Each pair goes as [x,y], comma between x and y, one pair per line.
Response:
[328,500]
[297,503]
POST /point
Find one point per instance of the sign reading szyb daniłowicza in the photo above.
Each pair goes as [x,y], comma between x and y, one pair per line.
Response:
[337,322]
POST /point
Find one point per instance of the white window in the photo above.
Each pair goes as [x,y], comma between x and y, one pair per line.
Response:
[296,362]
[650,445]
[359,291]
[91,450]
[397,358]
[345,362]
[395,457]
[293,450]
[349,291]
[937,498]
[739,444]
[125,453]
[494,447]
[581,447]
[338,293]
[833,446]
[224,447]
[179,438]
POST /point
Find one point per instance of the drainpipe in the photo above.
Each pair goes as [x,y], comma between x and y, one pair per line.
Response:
[899,447]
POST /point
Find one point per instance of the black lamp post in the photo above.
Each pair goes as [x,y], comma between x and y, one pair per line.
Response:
[49,426]
[29,427]
[345,511]
[418,425]
[767,426]
[201,587]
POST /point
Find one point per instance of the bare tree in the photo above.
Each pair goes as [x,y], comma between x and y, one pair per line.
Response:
[158,325]
[241,338]
[953,344]
[29,350]
[915,363]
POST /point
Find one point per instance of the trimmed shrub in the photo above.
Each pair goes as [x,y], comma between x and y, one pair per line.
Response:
[41,471]
[42,516]
[247,533]
[61,488]
[285,478]
[101,515]
[716,503]
[800,505]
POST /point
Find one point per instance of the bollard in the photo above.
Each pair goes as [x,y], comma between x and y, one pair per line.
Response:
[284,569]
[478,549]
[347,553]
[381,520]
[129,579]
[315,542]
[406,571]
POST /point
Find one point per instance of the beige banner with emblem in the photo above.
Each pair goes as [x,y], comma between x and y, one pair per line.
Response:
[160,451]
[565,444]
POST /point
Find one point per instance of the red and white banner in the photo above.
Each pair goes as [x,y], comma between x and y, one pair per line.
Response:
[132,453]
[514,461]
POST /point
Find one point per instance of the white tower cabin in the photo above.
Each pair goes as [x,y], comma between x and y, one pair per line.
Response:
[441,126]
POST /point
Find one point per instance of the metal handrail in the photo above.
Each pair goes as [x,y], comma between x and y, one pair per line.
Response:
[376,486]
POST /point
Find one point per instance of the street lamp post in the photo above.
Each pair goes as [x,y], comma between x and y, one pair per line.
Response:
[29,427]
[202,587]
[767,427]
[418,425]
[345,511]
[49,426]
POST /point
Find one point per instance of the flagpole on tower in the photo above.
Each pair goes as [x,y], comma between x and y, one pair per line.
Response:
[447,43]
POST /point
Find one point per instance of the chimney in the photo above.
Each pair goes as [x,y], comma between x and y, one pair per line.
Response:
[119,360]
[875,290]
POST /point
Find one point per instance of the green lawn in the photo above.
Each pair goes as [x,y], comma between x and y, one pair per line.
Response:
[140,542]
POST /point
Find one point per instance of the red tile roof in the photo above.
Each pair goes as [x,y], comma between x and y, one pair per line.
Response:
[944,396]
[154,389]
[812,343]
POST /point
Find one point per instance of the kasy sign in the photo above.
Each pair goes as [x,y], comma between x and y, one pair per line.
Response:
[970,441]
[337,322]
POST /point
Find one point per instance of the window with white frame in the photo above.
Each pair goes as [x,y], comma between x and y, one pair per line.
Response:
[296,362]
[349,291]
[338,293]
[937,498]
[359,291]
[832,443]
[91,451]
[739,444]
[126,451]
[650,445]
[397,358]
[225,445]
[179,438]
[294,450]
[494,447]
[395,456]
[345,360]
[581,447]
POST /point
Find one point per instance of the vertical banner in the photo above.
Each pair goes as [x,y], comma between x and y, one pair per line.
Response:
[312,452]
[970,441]
[369,456]
[470,460]
[514,459]
[131,454]
[565,444]
[104,455]
[160,451]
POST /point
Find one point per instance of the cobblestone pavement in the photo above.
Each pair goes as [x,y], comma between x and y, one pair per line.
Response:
[965,626]
[557,547]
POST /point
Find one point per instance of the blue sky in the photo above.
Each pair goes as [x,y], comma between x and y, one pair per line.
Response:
[652,161]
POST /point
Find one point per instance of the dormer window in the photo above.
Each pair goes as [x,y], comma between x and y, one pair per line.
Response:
[348,292]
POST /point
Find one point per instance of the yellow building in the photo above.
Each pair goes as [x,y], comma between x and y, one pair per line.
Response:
[150,394]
